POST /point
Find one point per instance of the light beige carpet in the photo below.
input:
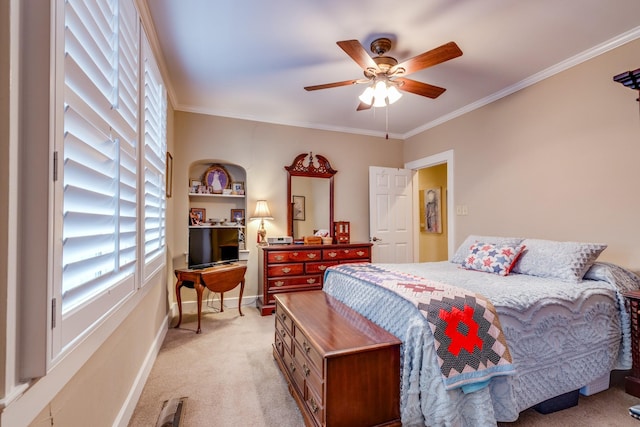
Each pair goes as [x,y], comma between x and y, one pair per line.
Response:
[227,373]
[230,379]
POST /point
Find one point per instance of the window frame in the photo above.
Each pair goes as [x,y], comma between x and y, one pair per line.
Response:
[67,330]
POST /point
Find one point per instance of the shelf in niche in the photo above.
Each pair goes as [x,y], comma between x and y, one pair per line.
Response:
[237,196]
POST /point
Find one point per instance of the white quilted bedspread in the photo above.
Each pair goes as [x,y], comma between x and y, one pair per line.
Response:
[562,336]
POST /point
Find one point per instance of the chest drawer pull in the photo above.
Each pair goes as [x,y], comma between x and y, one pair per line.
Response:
[311,256]
[286,270]
[279,257]
[311,281]
[283,333]
[292,367]
[360,253]
[314,405]
[333,254]
[278,283]
[322,267]
[306,370]
[306,347]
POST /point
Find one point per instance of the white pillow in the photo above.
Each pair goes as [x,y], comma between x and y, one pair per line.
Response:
[566,261]
[463,249]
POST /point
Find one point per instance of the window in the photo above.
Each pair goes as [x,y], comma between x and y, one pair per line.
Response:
[108,212]
[155,149]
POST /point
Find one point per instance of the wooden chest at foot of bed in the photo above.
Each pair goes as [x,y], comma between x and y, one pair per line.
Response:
[342,369]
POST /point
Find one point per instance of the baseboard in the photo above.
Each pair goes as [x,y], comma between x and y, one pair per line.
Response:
[126,412]
[229,303]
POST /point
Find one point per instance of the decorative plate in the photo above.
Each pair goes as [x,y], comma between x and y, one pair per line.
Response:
[216,178]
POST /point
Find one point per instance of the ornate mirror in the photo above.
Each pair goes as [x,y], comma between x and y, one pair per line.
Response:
[309,195]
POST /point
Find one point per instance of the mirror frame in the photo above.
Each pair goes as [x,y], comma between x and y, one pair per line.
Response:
[309,169]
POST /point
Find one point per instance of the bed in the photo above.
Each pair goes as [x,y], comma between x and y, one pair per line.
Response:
[561,313]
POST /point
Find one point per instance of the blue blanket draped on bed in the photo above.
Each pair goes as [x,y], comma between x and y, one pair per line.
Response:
[468,338]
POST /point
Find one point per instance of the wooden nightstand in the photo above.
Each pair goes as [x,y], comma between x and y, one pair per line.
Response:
[632,383]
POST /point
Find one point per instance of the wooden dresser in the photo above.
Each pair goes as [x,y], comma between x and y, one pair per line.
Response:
[342,369]
[293,268]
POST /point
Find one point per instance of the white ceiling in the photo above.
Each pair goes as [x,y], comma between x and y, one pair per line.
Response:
[251,59]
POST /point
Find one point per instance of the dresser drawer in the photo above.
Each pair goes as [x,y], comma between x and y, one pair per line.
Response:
[319,267]
[285,270]
[314,383]
[305,351]
[315,406]
[278,344]
[294,370]
[297,256]
[283,318]
[359,253]
[280,283]
[284,334]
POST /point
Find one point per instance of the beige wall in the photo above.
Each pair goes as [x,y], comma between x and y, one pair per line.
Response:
[557,160]
[263,150]
[97,392]
[433,246]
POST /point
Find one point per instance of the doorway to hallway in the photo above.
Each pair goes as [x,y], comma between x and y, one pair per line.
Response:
[432,173]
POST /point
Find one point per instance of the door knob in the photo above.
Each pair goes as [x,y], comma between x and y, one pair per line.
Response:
[376,239]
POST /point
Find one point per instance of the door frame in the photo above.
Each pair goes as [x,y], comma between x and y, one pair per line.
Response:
[425,162]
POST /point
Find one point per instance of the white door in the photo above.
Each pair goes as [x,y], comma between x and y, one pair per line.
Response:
[390,214]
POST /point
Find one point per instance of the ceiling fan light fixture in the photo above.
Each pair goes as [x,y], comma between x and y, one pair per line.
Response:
[367,96]
[380,94]
[379,102]
[380,90]
[393,94]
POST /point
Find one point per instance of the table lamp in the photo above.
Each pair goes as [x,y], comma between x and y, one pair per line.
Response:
[262,212]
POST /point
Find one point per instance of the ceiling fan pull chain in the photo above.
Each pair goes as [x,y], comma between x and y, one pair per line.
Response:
[386,110]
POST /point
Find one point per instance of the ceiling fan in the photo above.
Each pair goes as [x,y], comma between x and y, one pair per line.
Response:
[392,74]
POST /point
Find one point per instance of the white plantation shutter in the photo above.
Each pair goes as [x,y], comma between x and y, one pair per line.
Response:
[155,148]
[99,161]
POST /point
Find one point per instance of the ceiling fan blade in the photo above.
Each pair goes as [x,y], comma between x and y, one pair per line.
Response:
[362,106]
[354,49]
[330,85]
[428,59]
[419,88]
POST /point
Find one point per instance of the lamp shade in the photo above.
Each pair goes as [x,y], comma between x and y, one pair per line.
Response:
[262,210]
[367,96]
[393,94]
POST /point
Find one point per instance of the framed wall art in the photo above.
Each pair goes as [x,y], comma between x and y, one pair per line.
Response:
[432,211]
[237,187]
[237,215]
[197,216]
[216,178]
[298,208]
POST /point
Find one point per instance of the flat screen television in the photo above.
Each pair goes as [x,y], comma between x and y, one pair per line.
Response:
[210,246]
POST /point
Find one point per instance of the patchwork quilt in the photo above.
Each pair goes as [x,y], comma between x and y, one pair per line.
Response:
[468,339]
